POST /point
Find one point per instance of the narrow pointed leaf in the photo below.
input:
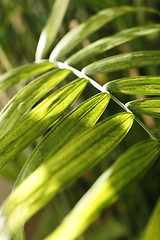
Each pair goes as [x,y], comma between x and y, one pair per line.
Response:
[107,43]
[145,85]
[27,97]
[51,29]
[107,189]
[150,107]
[19,74]
[124,61]
[38,120]
[73,125]
[152,230]
[74,159]
[76,35]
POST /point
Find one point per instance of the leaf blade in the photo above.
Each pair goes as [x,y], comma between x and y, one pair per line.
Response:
[73,125]
[27,97]
[123,61]
[38,120]
[76,35]
[110,42]
[150,106]
[19,74]
[57,171]
[48,35]
[107,189]
[145,85]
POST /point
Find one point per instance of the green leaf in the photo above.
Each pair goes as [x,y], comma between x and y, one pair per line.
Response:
[107,189]
[19,74]
[74,159]
[107,43]
[73,125]
[27,97]
[124,61]
[76,35]
[145,85]
[50,31]
[152,230]
[149,106]
[38,120]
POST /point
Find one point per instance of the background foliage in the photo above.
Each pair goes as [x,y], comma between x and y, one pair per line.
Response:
[128,213]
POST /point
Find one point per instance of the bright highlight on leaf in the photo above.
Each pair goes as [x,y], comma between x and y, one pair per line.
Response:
[27,97]
[68,164]
[150,106]
[19,74]
[51,29]
[124,61]
[145,85]
[107,189]
[38,120]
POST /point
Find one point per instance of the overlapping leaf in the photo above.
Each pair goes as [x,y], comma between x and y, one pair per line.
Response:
[50,31]
[76,35]
[145,85]
[66,166]
[124,61]
[27,97]
[148,106]
[73,125]
[38,120]
[107,43]
[19,74]
[107,189]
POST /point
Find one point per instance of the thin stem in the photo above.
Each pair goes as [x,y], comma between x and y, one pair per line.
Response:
[81,74]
